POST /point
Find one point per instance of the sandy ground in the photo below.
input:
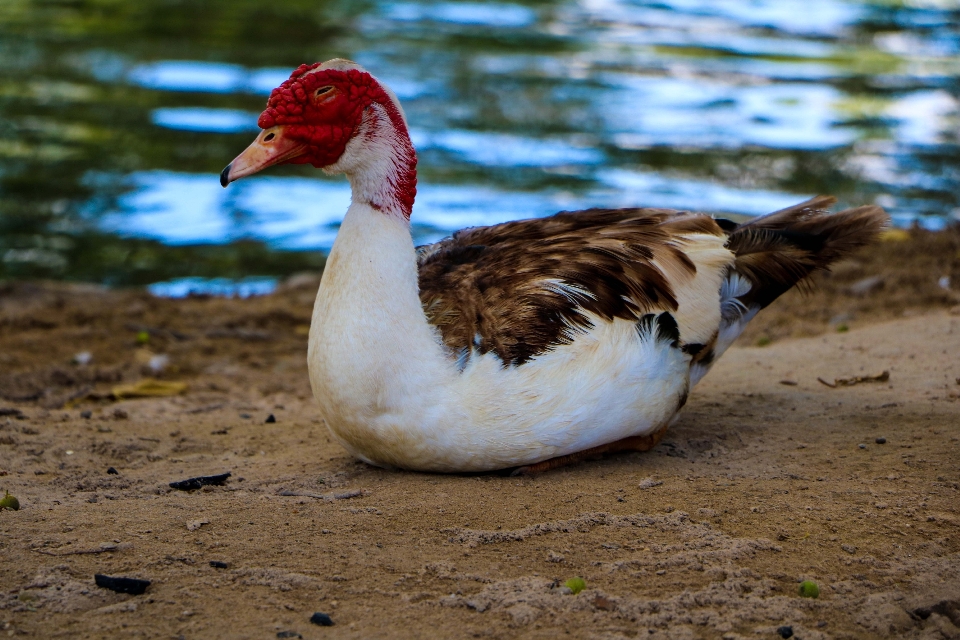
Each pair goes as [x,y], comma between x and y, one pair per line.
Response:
[769,478]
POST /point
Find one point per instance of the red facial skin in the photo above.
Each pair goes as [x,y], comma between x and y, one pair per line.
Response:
[326,122]
[313,116]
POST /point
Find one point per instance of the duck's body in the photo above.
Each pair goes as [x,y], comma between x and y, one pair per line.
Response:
[394,393]
[520,343]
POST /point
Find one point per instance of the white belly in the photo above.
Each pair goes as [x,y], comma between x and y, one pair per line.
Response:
[605,386]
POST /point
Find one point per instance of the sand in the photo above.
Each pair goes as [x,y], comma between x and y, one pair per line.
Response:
[769,477]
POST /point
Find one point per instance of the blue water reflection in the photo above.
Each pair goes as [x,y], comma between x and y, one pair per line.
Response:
[466,13]
[224,287]
[208,77]
[204,119]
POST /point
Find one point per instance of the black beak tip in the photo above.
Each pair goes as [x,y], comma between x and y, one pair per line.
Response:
[225,175]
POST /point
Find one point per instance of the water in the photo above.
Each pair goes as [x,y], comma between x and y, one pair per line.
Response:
[117,116]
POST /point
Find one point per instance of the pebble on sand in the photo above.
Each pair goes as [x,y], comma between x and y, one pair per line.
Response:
[192,484]
[133,586]
[321,619]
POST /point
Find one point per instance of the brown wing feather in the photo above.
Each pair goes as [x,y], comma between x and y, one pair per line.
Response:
[522,288]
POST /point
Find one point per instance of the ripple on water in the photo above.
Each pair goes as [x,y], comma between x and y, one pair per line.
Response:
[517,110]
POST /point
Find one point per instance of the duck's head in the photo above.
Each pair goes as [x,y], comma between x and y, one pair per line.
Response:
[333,115]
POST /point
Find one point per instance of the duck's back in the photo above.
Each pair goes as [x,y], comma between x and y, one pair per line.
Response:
[522,289]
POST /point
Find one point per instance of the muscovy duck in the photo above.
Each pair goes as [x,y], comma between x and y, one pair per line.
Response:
[528,344]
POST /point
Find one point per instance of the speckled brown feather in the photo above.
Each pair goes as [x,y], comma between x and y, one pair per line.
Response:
[520,289]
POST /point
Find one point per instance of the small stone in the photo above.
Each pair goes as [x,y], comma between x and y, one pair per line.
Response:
[245,416]
[120,414]
[881,440]
[866,286]
[808,589]
[217,564]
[158,363]
[288,634]
[270,419]
[113,472]
[785,631]
[849,548]
[192,484]
[862,446]
[321,619]
[133,586]
[86,415]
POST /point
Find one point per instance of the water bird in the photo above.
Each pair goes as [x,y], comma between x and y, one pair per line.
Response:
[524,345]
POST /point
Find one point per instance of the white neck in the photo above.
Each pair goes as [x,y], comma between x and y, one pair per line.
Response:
[372,353]
[380,163]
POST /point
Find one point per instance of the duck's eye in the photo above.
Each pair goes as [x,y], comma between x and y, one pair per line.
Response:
[323,91]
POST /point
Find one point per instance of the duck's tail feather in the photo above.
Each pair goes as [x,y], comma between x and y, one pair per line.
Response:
[778,251]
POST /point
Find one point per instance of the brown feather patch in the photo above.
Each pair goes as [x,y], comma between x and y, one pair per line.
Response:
[522,288]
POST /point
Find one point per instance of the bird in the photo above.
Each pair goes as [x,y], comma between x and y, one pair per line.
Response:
[526,345]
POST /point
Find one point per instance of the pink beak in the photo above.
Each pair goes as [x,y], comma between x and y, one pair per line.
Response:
[271,147]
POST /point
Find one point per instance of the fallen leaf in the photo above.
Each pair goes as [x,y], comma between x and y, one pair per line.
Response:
[148,388]
[894,235]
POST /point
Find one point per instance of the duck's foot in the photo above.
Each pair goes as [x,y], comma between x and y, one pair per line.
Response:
[633,443]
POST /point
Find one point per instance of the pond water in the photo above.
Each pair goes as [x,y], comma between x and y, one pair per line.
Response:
[116,117]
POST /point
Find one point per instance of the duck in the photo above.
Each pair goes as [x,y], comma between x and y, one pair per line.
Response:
[520,346]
